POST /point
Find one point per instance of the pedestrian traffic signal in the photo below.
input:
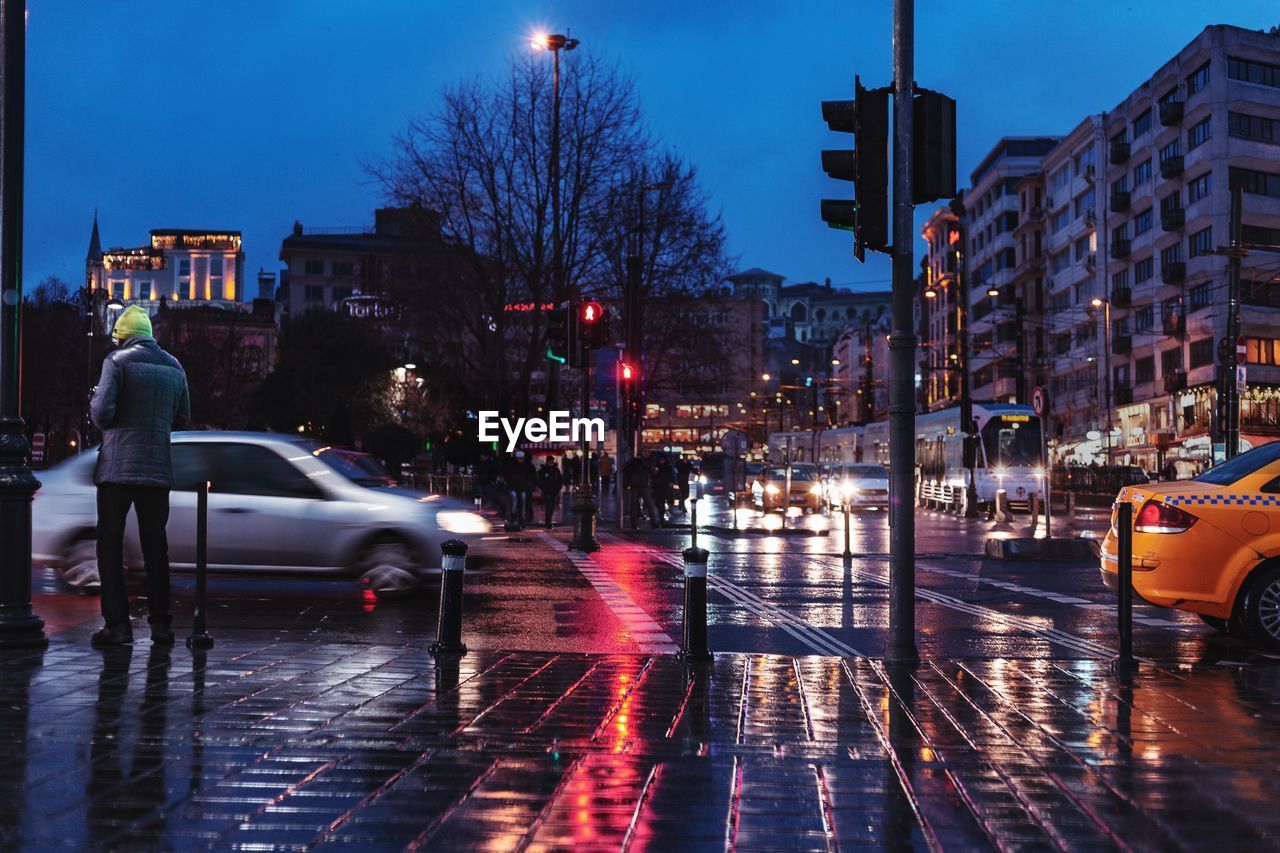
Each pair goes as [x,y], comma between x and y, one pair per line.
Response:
[593,326]
[867,166]
[626,373]
[558,348]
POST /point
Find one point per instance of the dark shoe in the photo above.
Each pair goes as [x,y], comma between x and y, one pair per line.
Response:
[121,635]
[161,635]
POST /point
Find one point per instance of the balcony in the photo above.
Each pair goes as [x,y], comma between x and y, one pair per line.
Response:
[1171,167]
[1174,272]
[1121,344]
[1089,173]
[1121,297]
[1119,249]
[1119,153]
[1120,201]
[1122,395]
[1173,218]
[1036,213]
[1175,382]
[1171,113]
[1174,325]
[1091,262]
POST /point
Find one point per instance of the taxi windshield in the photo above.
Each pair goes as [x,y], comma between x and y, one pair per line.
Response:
[805,474]
[1234,470]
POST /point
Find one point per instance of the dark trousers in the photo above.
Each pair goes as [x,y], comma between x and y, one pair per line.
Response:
[151,504]
[552,500]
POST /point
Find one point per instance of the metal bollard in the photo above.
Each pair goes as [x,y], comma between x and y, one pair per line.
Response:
[694,647]
[449,625]
[848,552]
[1034,511]
[733,509]
[1124,599]
[693,523]
[200,638]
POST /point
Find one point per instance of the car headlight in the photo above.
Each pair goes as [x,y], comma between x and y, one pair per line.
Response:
[702,478]
[1037,472]
[849,489]
[772,489]
[815,489]
[461,521]
[1000,471]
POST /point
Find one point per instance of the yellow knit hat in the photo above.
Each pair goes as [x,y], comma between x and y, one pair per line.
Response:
[133,322]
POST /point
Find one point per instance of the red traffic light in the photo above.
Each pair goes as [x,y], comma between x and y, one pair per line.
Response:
[626,372]
[591,312]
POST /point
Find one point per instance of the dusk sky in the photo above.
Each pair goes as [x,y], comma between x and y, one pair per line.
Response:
[249,115]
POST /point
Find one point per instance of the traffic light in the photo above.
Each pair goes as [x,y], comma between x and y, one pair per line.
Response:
[626,374]
[933,154]
[558,348]
[593,326]
[867,166]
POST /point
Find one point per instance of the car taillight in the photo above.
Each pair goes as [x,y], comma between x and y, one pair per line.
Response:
[1155,517]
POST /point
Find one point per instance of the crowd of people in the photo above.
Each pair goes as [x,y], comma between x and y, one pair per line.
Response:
[656,485]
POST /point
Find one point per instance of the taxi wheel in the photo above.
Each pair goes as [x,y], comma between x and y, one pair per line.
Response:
[1260,612]
[79,569]
[389,568]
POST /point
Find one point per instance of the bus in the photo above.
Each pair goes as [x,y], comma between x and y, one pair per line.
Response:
[1006,456]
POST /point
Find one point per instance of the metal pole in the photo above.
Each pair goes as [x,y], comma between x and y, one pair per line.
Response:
[1235,250]
[901,647]
[1106,367]
[200,638]
[449,624]
[584,506]
[848,552]
[19,626]
[693,523]
[1124,556]
[1048,471]
[694,645]
[557,287]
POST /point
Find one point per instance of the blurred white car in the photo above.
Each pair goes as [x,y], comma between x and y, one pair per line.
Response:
[859,485]
[276,504]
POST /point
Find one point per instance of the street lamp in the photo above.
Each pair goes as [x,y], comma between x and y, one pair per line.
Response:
[1105,304]
[555,42]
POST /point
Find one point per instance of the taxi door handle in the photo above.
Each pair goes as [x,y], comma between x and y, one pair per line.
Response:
[235,510]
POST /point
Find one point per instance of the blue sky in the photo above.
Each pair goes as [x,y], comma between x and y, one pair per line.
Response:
[249,114]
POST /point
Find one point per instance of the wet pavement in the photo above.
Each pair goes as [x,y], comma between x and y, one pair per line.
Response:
[319,719]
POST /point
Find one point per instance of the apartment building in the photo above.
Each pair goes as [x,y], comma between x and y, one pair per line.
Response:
[1206,122]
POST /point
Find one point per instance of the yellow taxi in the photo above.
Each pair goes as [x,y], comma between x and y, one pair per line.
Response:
[1210,545]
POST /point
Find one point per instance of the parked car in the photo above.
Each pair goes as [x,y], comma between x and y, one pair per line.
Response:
[276,504]
[859,485]
[770,491]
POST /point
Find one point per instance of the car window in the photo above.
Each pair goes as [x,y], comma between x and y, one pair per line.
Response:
[250,469]
[1242,466]
[191,466]
[865,471]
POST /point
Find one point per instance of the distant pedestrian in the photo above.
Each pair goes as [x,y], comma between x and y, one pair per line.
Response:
[684,470]
[661,481]
[531,480]
[141,396]
[550,482]
[635,479]
[486,477]
[519,484]
[606,472]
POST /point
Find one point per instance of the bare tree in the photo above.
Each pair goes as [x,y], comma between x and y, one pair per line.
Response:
[482,160]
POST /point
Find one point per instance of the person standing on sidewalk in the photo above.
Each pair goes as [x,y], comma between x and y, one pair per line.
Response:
[550,483]
[140,398]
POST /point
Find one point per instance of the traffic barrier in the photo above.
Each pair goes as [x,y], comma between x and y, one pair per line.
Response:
[1124,598]
[694,646]
[200,638]
[449,624]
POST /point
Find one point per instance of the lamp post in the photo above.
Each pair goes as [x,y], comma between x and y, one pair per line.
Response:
[19,626]
[555,43]
[1105,304]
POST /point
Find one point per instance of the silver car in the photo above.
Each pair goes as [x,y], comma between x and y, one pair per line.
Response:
[276,504]
[859,486]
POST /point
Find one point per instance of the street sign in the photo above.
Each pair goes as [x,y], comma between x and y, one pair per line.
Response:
[1241,382]
[1037,401]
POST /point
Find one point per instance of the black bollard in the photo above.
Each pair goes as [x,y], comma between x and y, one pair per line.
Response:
[694,647]
[449,625]
[1124,600]
[733,509]
[200,638]
[848,552]
[693,523]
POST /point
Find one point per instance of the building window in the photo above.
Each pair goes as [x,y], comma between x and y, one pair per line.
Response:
[1201,352]
[1262,351]
[1170,255]
[1198,79]
[1120,185]
[1144,369]
[1168,97]
[1120,233]
[1085,203]
[1171,361]
[1255,182]
[1143,270]
[1142,123]
[1198,135]
[1173,201]
[1144,318]
[1119,280]
[1173,149]
[1060,220]
[1201,243]
[314,267]
[1061,178]
[215,276]
[314,293]
[1257,128]
[1201,295]
[1142,172]
[1084,247]
[341,293]
[1142,222]
[1251,71]
[1059,262]
[343,268]
[1260,234]
[1199,187]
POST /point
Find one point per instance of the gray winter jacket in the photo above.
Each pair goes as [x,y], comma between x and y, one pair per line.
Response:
[140,398]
